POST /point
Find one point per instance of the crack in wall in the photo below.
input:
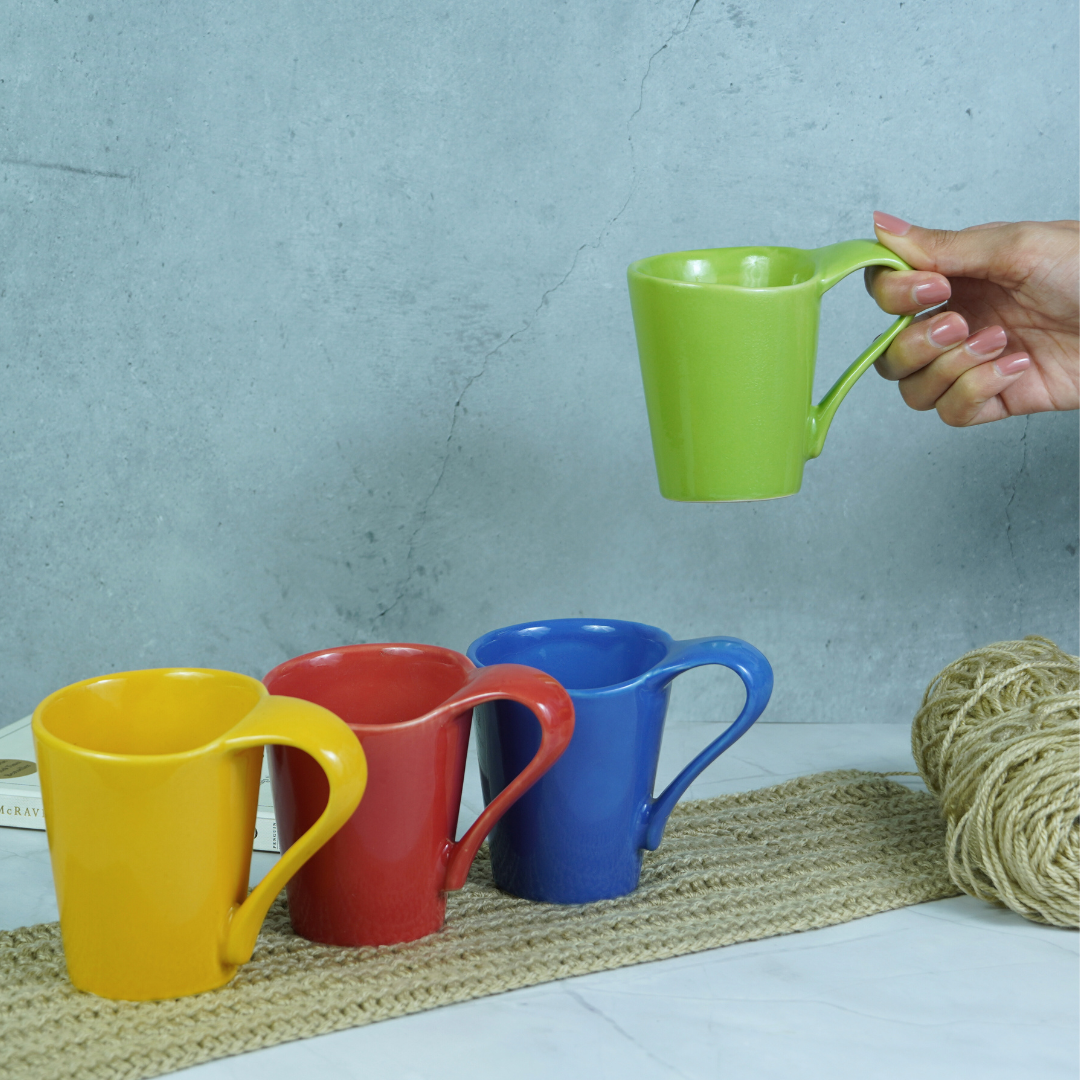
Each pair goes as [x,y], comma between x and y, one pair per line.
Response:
[65,168]
[677,32]
[423,512]
[1009,523]
[421,518]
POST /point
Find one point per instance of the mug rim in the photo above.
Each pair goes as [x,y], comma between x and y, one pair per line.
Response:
[427,651]
[639,628]
[637,268]
[40,731]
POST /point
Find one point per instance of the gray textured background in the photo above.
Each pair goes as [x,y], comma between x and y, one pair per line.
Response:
[314,329]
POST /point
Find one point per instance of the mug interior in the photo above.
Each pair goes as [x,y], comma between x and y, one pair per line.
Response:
[149,712]
[745,267]
[373,684]
[581,655]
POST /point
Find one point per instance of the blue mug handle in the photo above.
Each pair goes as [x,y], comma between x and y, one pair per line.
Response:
[756,673]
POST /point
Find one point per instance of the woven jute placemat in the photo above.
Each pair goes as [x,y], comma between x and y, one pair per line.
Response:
[812,852]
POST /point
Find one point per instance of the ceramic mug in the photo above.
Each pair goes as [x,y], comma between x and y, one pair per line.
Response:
[579,833]
[150,782]
[384,877]
[727,339]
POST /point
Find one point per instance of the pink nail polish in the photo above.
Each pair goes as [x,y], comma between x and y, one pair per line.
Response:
[1013,365]
[931,293]
[987,341]
[950,331]
[896,226]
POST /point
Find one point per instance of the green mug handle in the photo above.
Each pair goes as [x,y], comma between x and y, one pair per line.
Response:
[834,263]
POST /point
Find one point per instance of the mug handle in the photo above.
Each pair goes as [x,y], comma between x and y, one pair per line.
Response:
[550,704]
[756,673]
[286,721]
[834,263]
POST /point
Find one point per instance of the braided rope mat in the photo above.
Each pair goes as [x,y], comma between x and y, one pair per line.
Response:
[808,853]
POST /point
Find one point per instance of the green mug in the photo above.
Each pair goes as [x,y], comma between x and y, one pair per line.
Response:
[727,339]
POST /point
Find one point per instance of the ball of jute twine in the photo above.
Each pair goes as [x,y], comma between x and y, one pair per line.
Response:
[997,740]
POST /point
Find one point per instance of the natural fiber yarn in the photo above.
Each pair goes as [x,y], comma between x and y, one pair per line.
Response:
[997,740]
[811,852]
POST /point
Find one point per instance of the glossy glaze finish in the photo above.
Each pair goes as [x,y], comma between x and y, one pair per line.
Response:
[727,339]
[578,834]
[383,878]
[150,781]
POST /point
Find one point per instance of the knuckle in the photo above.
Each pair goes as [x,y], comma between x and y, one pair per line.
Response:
[895,365]
[914,396]
[879,282]
[1023,234]
[904,351]
[943,241]
[870,281]
[952,412]
[884,369]
[1024,253]
[967,395]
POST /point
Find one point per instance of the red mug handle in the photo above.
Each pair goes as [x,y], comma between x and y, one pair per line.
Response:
[550,704]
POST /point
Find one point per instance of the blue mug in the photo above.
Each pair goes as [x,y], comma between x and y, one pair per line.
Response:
[579,833]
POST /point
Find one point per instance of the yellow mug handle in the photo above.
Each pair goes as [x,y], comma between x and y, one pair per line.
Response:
[286,721]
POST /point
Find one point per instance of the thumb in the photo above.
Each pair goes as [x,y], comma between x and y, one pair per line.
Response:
[978,252]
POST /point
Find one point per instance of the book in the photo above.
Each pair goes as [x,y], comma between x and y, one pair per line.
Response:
[20,790]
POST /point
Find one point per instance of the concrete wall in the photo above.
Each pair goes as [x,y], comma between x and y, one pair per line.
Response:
[314,329]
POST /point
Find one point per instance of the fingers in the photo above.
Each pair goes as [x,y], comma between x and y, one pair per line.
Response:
[975,398]
[920,343]
[922,389]
[987,252]
[904,292]
[938,366]
[963,383]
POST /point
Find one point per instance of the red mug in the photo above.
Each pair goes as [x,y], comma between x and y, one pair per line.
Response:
[383,877]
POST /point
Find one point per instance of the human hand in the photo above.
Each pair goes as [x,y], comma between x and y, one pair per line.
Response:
[1006,341]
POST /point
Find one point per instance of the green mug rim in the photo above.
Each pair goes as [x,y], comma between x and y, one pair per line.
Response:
[638,267]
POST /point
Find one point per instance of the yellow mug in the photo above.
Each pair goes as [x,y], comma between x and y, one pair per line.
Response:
[150,782]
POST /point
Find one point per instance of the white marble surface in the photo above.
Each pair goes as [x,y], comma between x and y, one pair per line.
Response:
[950,989]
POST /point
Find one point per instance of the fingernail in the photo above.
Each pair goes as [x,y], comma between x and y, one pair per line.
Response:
[950,331]
[896,226]
[986,341]
[1013,365]
[933,292]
